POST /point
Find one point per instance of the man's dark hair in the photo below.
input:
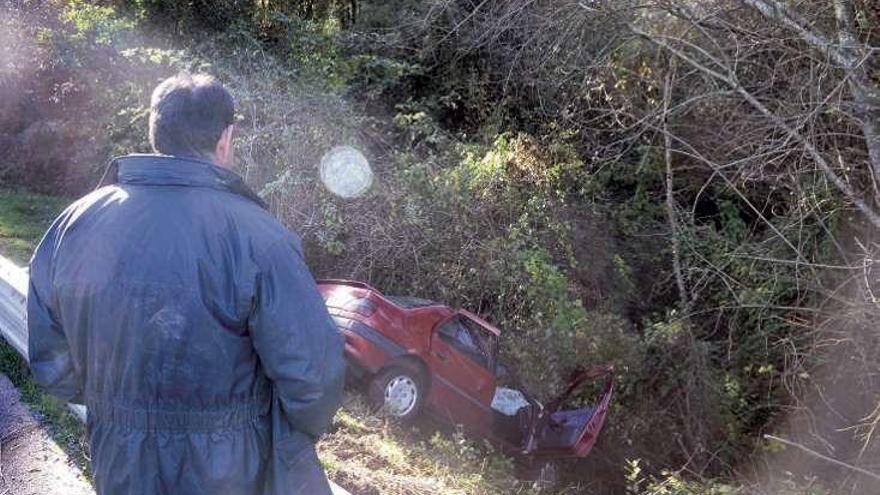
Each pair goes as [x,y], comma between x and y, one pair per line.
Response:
[188,114]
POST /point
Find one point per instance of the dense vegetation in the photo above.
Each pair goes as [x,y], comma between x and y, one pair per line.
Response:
[687,190]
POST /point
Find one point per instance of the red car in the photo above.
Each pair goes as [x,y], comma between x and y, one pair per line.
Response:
[418,355]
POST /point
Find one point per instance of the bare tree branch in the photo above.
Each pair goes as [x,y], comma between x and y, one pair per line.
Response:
[824,457]
[779,12]
[731,80]
[866,95]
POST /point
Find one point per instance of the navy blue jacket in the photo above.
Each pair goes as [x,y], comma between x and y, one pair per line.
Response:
[185,318]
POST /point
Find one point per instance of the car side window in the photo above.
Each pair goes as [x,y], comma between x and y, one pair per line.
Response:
[449,330]
[486,341]
[458,333]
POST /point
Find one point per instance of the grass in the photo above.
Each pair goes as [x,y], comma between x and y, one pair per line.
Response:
[24,217]
[365,454]
[369,455]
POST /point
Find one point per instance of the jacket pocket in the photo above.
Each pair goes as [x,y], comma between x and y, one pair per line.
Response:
[296,449]
[299,471]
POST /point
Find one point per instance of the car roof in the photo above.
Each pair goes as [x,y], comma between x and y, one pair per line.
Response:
[402,302]
[492,328]
[406,303]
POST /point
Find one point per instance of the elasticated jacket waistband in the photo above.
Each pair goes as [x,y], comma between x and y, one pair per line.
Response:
[176,420]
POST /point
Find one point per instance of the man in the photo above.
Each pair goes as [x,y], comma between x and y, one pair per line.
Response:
[183,315]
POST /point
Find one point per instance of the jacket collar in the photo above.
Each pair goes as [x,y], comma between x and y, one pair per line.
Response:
[165,170]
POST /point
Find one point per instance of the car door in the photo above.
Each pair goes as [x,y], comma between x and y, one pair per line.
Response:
[572,433]
[463,355]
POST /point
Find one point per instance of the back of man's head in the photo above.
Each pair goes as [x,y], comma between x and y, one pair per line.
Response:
[188,114]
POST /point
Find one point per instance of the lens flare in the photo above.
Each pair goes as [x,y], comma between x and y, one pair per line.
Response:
[346,172]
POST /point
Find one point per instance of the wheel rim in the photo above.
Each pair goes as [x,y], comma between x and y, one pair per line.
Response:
[401,394]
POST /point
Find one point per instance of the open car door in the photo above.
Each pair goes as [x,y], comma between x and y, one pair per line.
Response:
[571,433]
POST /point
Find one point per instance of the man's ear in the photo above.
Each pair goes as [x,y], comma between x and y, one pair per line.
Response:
[223,152]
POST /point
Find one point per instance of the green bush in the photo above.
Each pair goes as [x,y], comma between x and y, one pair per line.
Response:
[83,99]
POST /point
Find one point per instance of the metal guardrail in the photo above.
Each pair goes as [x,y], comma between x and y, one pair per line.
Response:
[13,324]
[13,299]
[13,315]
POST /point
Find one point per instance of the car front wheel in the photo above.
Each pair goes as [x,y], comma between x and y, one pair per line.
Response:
[398,392]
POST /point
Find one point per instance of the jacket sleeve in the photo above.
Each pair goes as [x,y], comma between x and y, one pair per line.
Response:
[49,354]
[297,342]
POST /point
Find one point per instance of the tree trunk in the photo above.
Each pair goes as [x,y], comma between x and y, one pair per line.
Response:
[866,96]
[671,206]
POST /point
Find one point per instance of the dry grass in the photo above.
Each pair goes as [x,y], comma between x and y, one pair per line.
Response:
[369,455]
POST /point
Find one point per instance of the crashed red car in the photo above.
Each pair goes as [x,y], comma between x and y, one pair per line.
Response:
[418,355]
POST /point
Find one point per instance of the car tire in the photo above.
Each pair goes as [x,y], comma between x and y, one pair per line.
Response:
[398,392]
